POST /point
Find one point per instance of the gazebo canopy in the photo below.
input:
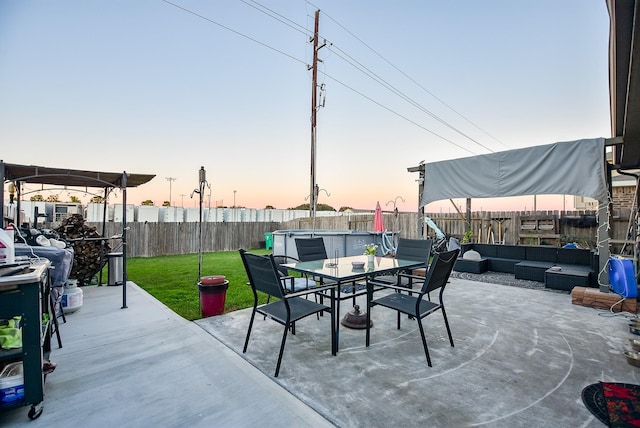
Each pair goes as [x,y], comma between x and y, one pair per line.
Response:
[71,177]
[75,178]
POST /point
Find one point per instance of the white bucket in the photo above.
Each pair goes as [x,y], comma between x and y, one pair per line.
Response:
[7,252]
[71,299]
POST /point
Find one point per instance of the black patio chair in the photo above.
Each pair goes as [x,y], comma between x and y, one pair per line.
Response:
[292,283]
[417,306]
[310,249]
[287,309]
[409,249]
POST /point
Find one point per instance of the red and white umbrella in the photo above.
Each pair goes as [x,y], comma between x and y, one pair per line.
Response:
[378,224]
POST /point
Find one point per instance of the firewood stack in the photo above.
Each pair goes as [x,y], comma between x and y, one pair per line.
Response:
[86,242]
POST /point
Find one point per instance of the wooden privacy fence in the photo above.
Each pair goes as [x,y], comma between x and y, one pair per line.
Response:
[514,228]
[507,227]
[159,239]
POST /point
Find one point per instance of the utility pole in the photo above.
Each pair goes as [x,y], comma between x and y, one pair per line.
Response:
[170,180]
[314,109]
[182,195]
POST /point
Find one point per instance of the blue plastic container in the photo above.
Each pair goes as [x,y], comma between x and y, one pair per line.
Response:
[622,277]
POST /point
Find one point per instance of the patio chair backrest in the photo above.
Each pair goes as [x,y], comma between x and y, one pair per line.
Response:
[282,259]
[310,249]
[263,273]
[414,249]
[439,271]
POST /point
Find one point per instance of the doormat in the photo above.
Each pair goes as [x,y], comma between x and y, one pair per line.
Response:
[614,404]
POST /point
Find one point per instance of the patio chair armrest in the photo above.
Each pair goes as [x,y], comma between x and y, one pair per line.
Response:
[310,290]
[321,280]
[381,285]
[412,277]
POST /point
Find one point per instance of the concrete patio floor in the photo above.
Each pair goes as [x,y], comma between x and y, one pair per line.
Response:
[521,358]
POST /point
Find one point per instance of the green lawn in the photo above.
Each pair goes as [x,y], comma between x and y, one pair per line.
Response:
[173,280]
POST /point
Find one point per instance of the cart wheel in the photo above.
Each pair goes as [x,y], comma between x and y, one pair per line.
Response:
[35,411]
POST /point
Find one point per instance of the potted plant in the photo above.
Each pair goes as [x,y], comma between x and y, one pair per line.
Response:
[370,251]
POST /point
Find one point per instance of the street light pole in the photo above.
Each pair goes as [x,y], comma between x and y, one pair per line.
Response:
[170,180]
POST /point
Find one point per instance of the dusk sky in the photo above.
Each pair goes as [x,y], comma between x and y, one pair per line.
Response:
[159,87]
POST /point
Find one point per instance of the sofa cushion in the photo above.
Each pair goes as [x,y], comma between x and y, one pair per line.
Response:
[574,256]
[566,279]
[510,252]
[531,270]
[497,264]
[486,250]
[472,266]
[541,254]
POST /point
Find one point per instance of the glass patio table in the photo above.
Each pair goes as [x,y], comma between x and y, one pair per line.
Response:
[342,272]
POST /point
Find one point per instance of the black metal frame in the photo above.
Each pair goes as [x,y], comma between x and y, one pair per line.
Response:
[409,249]
[415,305]
[288,308]
[76,178]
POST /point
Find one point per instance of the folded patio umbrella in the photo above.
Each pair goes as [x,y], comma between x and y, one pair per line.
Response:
[378,224]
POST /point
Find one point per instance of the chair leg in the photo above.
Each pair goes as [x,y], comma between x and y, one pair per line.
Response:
[446,323]
[398,320]
[246,341]
[336,316]
[54,313]
[58,304]
[284,340]
[332,313]
[424,341]
[369,306]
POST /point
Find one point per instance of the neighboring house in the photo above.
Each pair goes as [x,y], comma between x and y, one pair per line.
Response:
[623,194]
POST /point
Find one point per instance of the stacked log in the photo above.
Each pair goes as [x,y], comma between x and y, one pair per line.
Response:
[88,246]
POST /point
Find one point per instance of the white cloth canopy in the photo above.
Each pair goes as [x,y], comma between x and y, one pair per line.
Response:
[565,168]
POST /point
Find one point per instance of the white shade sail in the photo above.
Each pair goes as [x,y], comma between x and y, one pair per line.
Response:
[564,168]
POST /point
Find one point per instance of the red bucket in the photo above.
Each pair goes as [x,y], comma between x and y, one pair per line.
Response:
[213,291]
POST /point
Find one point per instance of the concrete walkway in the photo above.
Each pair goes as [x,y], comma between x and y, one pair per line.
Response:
[145,366]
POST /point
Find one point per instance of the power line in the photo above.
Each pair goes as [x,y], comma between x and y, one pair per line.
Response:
[352,61]
[282,19]
[412,79]
[278,17]
[391,88]
[397,114]
[234,31]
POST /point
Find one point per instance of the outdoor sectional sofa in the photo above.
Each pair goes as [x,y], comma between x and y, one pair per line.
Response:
[558,268]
